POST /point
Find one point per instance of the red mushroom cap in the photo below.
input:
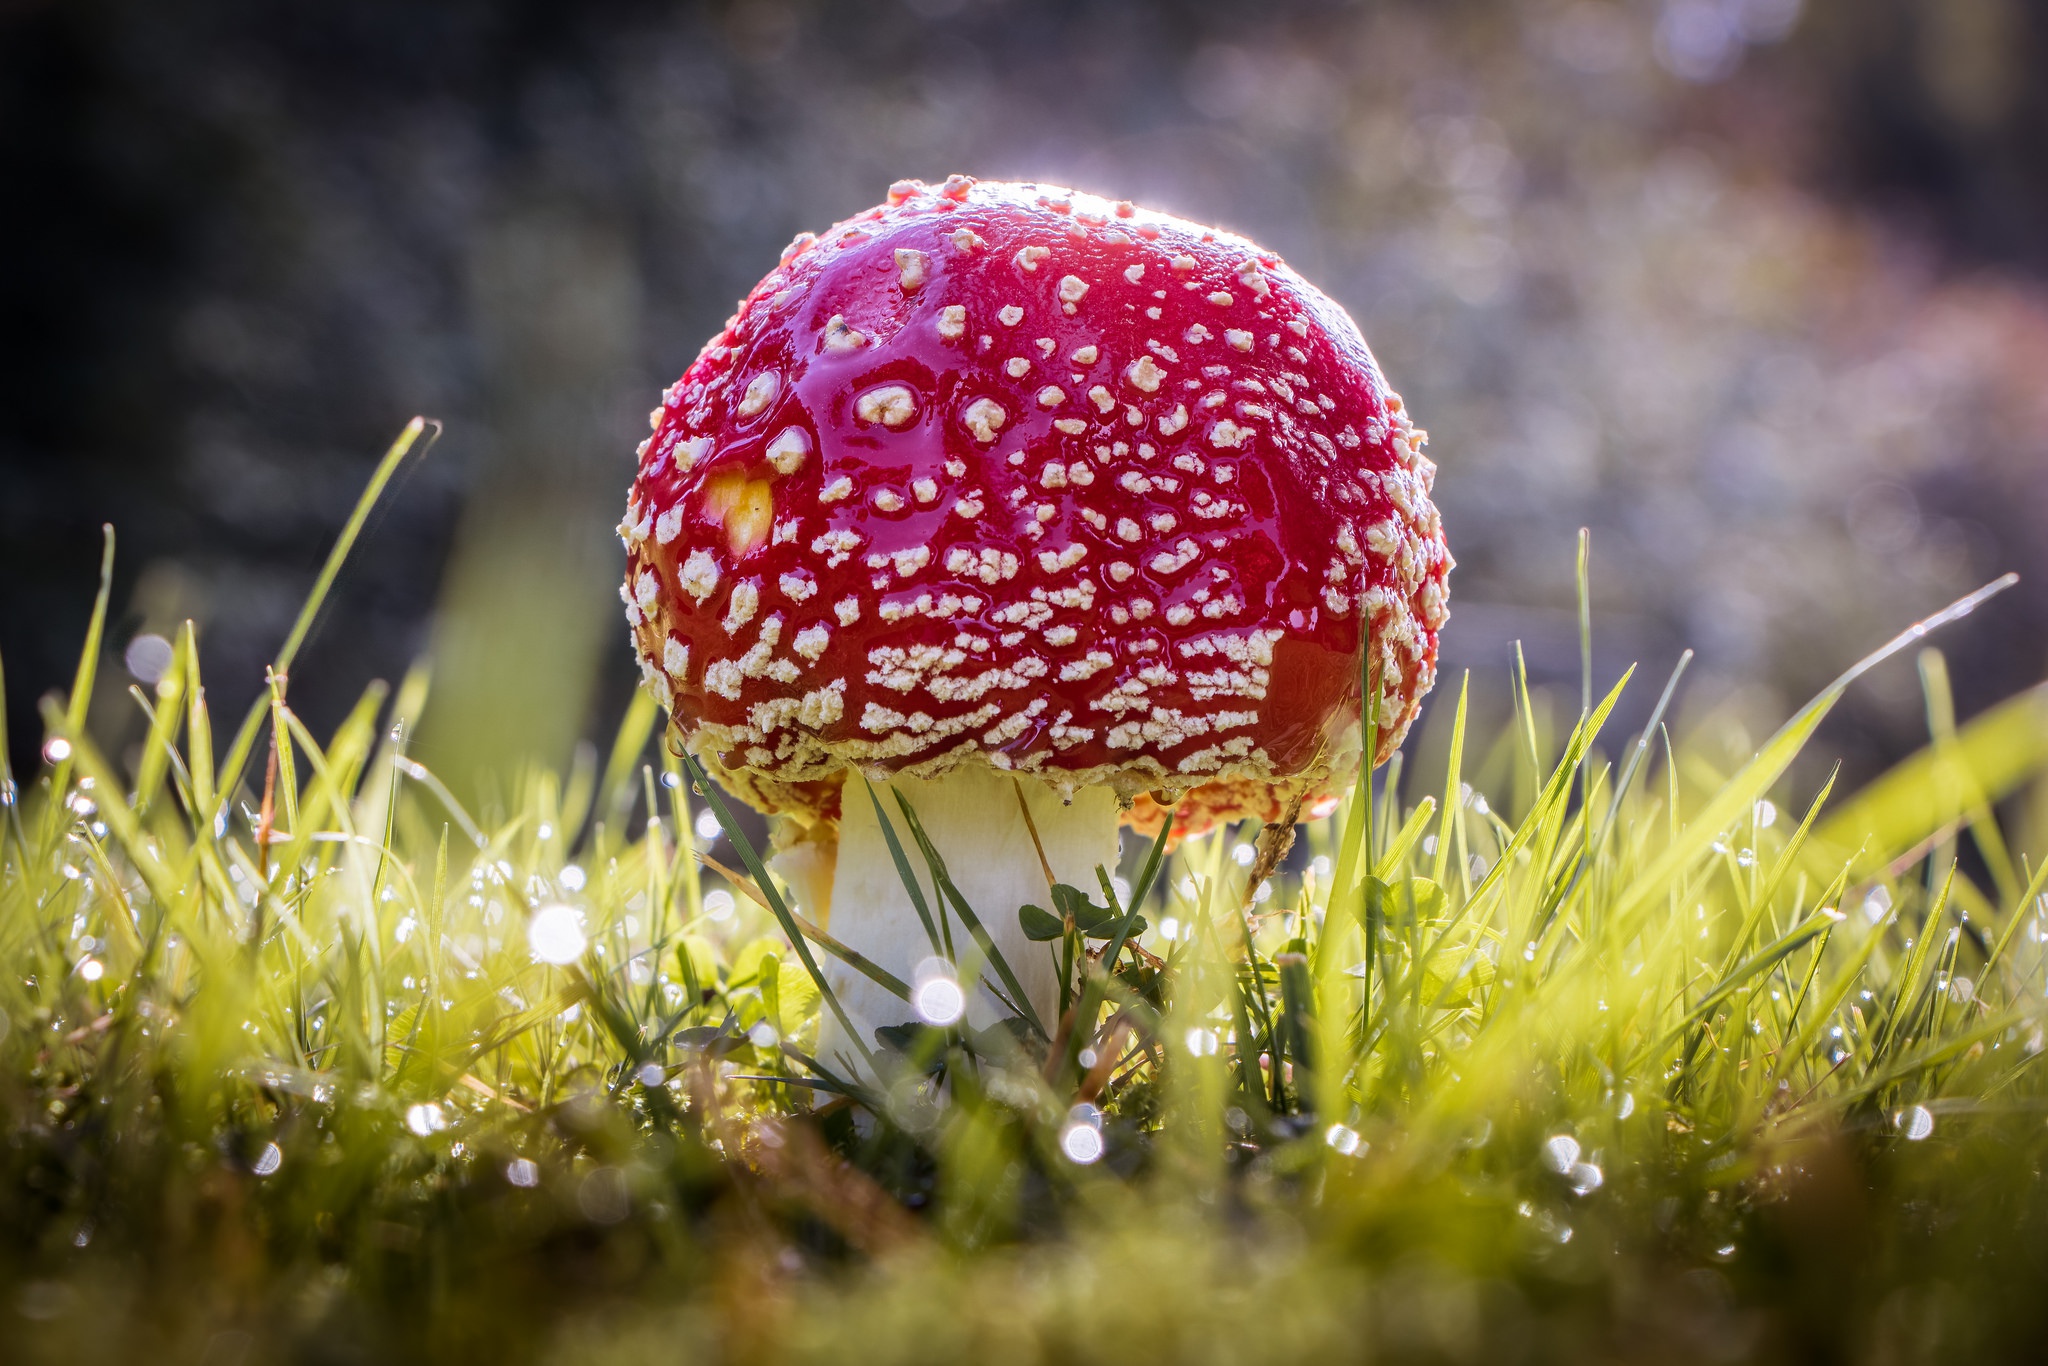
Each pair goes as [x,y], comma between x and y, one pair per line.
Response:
[1013,475]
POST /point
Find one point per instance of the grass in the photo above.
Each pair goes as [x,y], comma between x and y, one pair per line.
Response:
[1596,1047]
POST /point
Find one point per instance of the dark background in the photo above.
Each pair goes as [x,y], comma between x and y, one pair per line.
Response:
[1751,288]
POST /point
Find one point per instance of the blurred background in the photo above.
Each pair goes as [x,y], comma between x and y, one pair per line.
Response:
[1752,288]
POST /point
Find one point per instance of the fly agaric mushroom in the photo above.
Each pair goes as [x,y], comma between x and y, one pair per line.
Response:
[1003,489]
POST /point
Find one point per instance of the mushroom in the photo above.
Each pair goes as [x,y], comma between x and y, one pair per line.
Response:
[1004,491]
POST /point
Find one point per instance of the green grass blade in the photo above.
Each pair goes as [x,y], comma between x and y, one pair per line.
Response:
[1584,577]
[1756,965]
[615,789]
[76,706]
[1554,794]
[2016,918]
[1741,793]
[1018,999]
[166,715]
[1154,861]
[1915,799]
[309,612]
[903,869]
[1640,750]
[759,872]
[7,788]
[1453,776]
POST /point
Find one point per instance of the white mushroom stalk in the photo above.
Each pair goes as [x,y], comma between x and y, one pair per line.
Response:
[972,818]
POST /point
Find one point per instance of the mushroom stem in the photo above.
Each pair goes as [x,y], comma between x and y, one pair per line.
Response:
[972,818]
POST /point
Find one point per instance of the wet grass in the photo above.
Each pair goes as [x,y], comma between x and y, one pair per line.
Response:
[1606,1046]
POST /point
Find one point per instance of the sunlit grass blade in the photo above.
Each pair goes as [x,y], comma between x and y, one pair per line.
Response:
[1453,777]
[911,886]
[1905,991]
[121,819]
[854,959]
[1148,873]
[2017,917]
[1748,970]
[1639,751]
[426,778]
[309,612]
[166,716]
[759,872]
[7,788]
[1018,999]
[1741,793]
[1921,795]
[80,699]
[1550,803]
[615,788]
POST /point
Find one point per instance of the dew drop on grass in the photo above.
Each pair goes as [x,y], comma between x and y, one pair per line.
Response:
[1915,1122]
[57,750]
[1344,1139]
[1766,814]
[426,1118]
[1243,854]
[523,1172]
[1081,1139]
[1081,1143]
[939,1002]
[92,969]
[651,1074]
[268,1161]
[556,935]
[707,825]
[1876,904]
[937,996]
[1560,1153]
[571,878]
[718,905]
